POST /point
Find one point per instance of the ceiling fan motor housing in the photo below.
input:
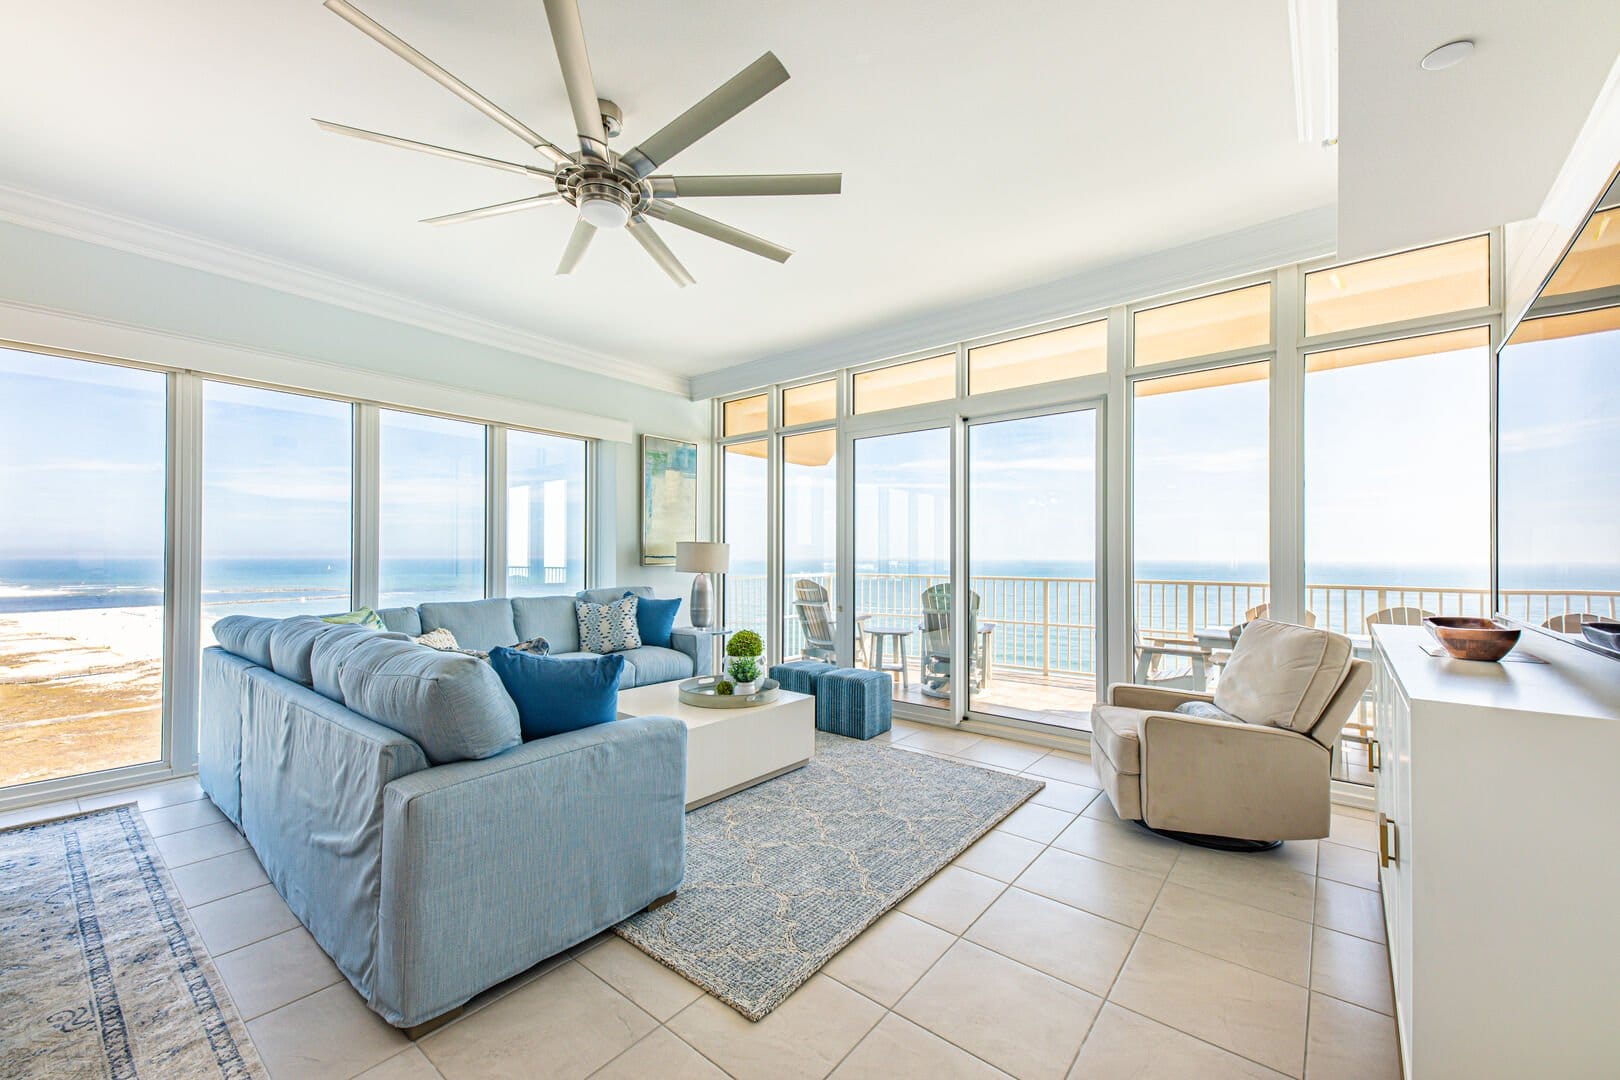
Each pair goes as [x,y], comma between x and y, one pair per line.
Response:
[604,203]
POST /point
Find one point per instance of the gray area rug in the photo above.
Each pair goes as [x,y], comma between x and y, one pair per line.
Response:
[101,971]
[783,875]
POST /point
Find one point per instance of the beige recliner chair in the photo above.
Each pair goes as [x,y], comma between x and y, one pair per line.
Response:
[1246,767]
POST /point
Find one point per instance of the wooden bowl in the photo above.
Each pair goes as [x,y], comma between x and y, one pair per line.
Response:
[1470,638]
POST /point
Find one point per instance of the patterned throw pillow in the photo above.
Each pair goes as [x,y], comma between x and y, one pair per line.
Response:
[538,646]
[607,628]
[363,616]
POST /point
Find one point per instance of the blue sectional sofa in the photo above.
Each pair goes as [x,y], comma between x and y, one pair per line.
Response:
[484,624]
[386,789]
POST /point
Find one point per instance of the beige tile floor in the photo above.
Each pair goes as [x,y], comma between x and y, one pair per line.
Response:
[1066,944]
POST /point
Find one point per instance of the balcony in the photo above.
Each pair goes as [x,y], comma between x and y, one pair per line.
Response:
[1042,645]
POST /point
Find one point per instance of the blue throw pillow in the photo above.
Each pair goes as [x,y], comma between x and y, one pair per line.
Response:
[655,619]
[557,694]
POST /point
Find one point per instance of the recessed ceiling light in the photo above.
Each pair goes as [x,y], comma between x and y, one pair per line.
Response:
[1448,55]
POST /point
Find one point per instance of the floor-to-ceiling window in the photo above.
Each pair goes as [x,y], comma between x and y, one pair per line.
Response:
[277,487]
[545,513]
[1250,419]
[1396,450]
[1559,470]
[746,529]
[82,527]
[903,560]
[810,544]
[431,516]
[1200,493]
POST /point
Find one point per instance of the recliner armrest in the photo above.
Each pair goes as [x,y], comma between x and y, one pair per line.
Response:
[1158,698]
[1228,778]
[696,644]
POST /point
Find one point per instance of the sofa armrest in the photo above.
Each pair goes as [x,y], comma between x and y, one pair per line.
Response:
[491,866]
[1164,699]
[696,644]
[1228,778]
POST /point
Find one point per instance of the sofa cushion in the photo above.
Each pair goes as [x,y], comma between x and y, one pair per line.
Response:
[453,705]
[1117,733]
[612,593]
[550,617]
[247,636]
[555,695]
[1283,675]
[652,664]
[610,627]
[331,651]
[655,619]
[480,625]
[401,620]
[291,643]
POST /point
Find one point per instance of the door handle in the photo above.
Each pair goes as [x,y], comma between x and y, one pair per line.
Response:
[1375,755]
[1389,842]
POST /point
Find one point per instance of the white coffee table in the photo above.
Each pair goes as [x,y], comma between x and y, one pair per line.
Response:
[728,750]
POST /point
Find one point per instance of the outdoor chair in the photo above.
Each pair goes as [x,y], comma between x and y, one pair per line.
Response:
[936,651]
[1570,622]
[1171,663]
[814,609]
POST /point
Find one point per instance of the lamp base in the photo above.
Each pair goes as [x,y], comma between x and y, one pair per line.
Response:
[701,606]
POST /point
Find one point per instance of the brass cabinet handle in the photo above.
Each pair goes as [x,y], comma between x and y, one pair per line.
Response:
[1375,755]
[1389,842]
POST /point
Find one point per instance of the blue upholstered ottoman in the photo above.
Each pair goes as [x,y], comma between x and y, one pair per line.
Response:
[800,676]
[854,702]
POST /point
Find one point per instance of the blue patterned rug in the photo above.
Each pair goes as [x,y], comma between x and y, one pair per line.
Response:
[101,972]
[783,875]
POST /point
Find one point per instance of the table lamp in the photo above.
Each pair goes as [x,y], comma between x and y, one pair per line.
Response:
[702,558]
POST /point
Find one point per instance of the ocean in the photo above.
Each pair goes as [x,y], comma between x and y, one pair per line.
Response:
[1040,622]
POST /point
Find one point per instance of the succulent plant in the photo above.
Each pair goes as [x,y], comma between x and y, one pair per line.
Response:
[744,669]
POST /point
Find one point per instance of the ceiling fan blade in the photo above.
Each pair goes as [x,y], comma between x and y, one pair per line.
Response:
[568,35]
[429,148]
[578,241]
[654,245]
[726,234]
[684,187]
[734,95]
[384,37]
[491,211]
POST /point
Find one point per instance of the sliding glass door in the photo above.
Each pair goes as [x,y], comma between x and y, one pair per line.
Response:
[1031,642]
[903,561]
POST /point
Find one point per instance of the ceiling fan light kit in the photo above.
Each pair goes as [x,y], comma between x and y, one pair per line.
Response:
[608,190]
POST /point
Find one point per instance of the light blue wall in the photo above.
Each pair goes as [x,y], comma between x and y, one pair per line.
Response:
[63,274]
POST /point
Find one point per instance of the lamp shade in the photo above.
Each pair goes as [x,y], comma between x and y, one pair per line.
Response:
[702,557]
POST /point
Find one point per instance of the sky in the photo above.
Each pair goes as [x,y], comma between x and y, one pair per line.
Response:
[1396,473]
[82,449]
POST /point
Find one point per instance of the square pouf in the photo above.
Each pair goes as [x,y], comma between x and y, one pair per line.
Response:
[854,702]
[800,676]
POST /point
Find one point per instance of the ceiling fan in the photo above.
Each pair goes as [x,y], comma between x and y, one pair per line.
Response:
[609,190]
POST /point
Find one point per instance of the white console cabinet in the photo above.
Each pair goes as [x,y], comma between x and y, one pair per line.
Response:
[1499,793]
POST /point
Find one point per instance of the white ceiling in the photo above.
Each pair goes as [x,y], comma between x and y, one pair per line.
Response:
[985,148]
[1429,155]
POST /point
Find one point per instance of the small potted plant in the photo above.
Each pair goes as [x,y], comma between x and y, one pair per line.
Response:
[744,650]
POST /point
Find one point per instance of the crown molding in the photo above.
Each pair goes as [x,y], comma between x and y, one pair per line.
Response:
[80,222]
[1297,238]
[32,326]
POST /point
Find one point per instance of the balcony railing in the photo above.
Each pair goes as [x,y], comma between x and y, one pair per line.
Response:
[1046,626]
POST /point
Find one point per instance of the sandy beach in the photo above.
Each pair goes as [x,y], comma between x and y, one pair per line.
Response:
[79,691]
